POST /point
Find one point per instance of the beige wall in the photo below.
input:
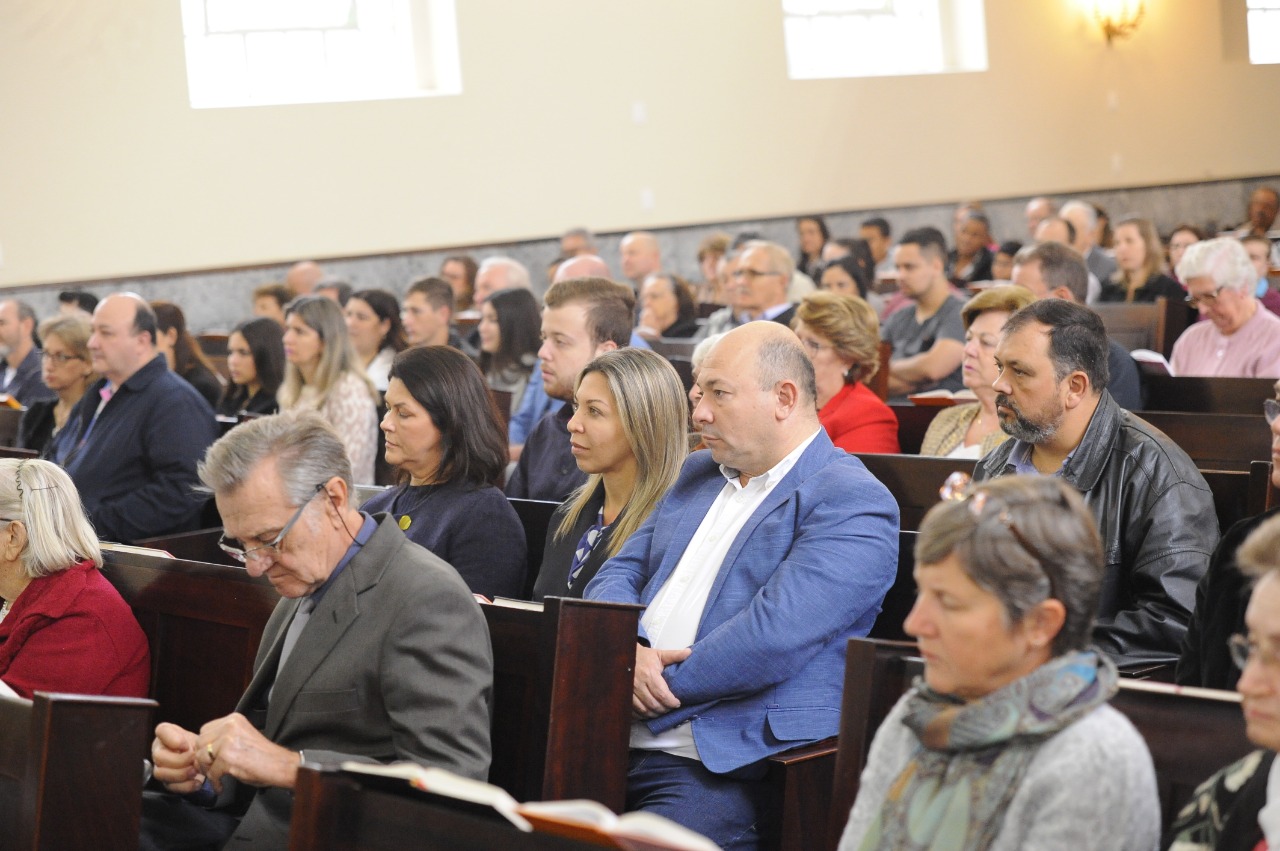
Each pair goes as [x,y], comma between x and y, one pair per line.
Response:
[105,170]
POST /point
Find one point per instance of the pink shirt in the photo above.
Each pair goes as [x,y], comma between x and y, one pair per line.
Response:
[1251,352]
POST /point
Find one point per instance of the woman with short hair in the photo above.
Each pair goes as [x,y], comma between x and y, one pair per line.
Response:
[1007,741]
[442,432]
[628,434]
[63,626]
[322,375]
[255,360]
[841,335]
[667,308]
[66,370]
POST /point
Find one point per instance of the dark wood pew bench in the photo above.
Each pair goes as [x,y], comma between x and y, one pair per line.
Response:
[1145,325]
[1206,395]
[1216,441]
[914,481]
[71,771]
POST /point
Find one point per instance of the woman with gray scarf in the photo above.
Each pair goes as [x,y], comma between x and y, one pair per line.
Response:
[1007,741]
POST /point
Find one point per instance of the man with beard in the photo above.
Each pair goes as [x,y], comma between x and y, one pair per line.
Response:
[1153,508]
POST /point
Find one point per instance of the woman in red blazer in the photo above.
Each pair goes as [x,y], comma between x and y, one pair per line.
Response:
[64,627]
[842,336]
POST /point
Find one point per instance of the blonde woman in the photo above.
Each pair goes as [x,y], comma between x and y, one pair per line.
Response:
[63,626]
[628,435]
[66,370]
[1139,259]
[322,375]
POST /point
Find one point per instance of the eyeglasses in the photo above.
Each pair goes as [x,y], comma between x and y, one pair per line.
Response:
[1270,410]
[1207,299]
[269,550]
[958,488]
[59,358]
[752,274]
[1244,648]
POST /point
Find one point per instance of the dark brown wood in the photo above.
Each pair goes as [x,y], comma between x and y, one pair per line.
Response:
[203,622]
[1152,326]
[200,545]
[1263,495]
[799,804]
[562,699]
[9,419]
[71,771]
[1216,441]
[706,308]
[914,481]
[879,380]
[669,347]
[1207,395]
[344,812]
[1190,736]
[902,595]
[10,452]
[535,517]
[913,422]
[1231,494]
[684,368]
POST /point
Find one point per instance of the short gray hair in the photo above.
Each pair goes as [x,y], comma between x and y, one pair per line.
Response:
[1224,259]
[779,257]
[306,449]
[517,274]
[1025,539]
[44,498]
[786,360]
[1090,214]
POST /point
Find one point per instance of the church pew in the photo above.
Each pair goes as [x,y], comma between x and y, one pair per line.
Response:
[914,481]
[535,518]
[1216,441]
[200,545]
[669,347]
[9,419]
[1262,494]
[203,622]
[913,422]
[1206,395]
[1152,326]
[1191,733]
[71,771]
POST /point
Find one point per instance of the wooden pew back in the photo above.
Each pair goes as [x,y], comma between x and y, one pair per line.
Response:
[71,771]
[1152,326]
[1216,441]
[1207,395]
[914,481]
[535,518]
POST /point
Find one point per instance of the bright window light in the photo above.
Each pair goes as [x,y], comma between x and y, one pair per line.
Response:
[1264,32]
[260,52]
[878,38]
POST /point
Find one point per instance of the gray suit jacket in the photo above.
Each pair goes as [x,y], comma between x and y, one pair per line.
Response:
[394,664]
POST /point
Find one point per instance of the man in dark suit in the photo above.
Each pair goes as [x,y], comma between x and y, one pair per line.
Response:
[377,652]
[769,552]
[21,378]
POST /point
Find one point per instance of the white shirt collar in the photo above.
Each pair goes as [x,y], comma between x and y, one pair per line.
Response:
[775,473]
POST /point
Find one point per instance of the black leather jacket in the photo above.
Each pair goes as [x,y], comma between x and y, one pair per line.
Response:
[1158,525]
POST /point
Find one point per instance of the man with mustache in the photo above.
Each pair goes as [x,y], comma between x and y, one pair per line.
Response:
[1154,510]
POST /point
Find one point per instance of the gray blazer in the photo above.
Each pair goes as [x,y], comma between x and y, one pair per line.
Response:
[394,664]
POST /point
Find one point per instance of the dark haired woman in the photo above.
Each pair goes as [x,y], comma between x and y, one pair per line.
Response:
[373,324]
[813,234]
[183,352]
[255,360]
[443,433]
[509,340]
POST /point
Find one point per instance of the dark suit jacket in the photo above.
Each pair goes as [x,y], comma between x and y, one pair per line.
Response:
[394,664]
[28,385]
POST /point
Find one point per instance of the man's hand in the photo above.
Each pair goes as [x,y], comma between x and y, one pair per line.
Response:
[232,746]
[651,696]
[174,753]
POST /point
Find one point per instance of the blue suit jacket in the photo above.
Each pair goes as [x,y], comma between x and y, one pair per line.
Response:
[807,572]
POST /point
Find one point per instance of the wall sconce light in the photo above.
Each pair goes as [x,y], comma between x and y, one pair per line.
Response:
[1118,18]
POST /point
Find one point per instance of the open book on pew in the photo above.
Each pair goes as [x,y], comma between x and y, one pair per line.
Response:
[1152,363]
[136,550]
[585,821]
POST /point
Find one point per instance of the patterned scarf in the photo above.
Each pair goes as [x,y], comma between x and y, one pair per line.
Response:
[955,790]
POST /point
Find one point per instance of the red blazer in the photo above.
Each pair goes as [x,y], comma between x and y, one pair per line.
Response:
[72,632]
[857,421]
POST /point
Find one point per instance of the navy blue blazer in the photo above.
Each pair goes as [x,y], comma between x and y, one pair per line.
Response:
[808,571]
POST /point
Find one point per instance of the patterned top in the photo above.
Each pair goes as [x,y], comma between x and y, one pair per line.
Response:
[948,429]
[351,410]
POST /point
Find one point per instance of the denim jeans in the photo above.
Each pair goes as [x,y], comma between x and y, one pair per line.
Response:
[725,808]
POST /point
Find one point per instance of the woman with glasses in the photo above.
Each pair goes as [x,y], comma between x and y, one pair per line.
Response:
[66,371]
[973,430]
[841,335]
[1241,338]
[63,626]
[628,434]
[322,375]
[441,430]
[1235,808]
[1007,741]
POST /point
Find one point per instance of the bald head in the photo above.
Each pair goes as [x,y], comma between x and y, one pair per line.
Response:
[124,336]
[759,397]
[1055,229]
[1039,209]
[303,276]
[640,256]
[1085,220]
[582,266]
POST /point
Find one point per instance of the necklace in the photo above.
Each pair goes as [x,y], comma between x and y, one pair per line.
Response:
[404,514]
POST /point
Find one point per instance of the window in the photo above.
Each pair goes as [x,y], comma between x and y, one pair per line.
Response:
[875,38]
[1264,32]
[257,52]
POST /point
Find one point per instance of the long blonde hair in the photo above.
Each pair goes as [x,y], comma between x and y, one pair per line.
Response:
[323,316]
[651,404]
[1151,263]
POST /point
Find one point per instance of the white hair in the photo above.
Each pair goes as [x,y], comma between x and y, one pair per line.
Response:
[517,274]
[1090,214]
[44,498]
[1224,259]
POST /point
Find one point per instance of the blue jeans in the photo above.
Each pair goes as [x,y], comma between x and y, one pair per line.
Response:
[725,808]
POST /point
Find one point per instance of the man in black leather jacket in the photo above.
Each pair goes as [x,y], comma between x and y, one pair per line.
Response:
[1154,510]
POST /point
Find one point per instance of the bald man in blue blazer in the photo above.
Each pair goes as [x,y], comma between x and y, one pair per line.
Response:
[769,552]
